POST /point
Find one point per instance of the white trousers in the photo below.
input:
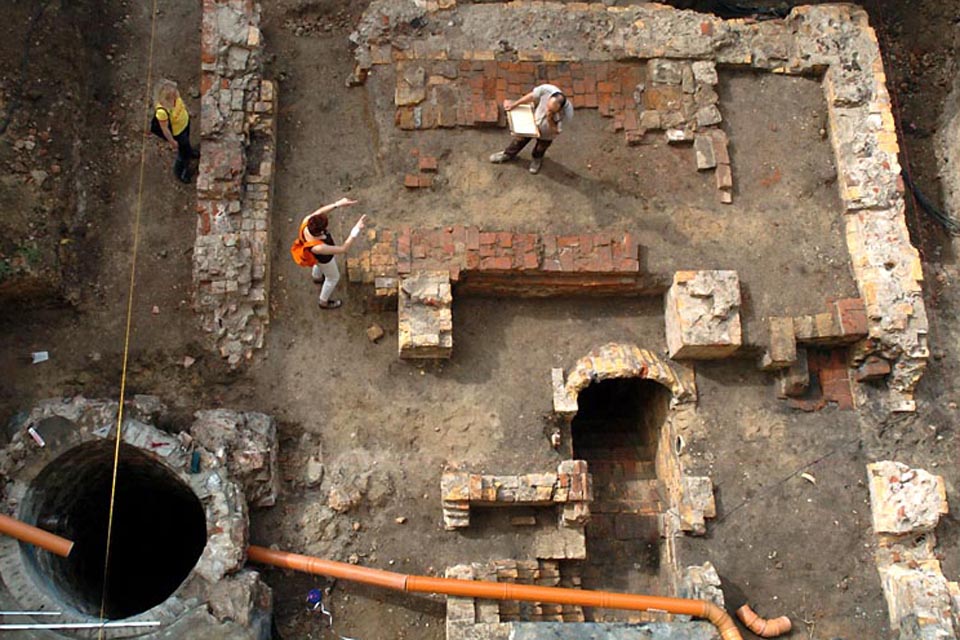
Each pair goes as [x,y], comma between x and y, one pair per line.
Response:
[331,276]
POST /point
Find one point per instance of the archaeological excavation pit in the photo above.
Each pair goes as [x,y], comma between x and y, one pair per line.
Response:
[159,530]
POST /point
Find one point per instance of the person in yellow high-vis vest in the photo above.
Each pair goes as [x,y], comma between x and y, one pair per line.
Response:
[174,126]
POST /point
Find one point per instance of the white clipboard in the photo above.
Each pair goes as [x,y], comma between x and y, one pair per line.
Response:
[522,121]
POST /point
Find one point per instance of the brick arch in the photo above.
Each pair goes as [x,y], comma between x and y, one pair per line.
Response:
[615,360]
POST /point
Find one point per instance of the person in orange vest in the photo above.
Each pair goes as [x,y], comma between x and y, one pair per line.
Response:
[172,123]
[316,236]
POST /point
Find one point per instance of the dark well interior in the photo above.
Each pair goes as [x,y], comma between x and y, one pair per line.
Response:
[159,529]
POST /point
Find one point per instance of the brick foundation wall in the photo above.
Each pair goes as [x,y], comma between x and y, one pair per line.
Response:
[504,262]
[231,260]
[834,42]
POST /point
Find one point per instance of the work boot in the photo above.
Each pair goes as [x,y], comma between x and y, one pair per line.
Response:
[500,157]
[535,165]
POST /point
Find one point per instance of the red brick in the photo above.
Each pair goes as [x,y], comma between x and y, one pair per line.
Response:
[425,181]
[590,101]
[566,261]
[499,263]
[531,261]
[852,315]
[505,239]
[604,257]
[873,368]
[473,238]
[411,181]
[606,109]
[487,237]
[419,251]
[473,260]
[568,241]
[706,28]
[403,246]
[428,163]
[630,122]
[487,251]
[606,87]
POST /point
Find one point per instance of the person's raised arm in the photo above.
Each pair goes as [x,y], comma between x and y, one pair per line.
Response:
[342,202]
[527,99]
[326,249]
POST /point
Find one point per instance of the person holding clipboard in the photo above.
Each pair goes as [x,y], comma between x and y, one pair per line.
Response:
[550,110]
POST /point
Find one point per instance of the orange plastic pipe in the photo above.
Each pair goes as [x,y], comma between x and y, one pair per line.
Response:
[761,626]
[37,537]
[497,590]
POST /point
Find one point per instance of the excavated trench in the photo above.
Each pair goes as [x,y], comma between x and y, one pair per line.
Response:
[616,431]
[159,530]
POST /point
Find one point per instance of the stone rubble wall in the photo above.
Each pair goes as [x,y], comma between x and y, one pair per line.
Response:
[571,488]
[231,259]
[906,506]
[834,42]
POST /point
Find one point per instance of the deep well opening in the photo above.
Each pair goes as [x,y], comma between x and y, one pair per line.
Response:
[616,431]
[159,529]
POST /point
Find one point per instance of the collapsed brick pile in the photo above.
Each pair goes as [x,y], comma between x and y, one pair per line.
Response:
[234,185]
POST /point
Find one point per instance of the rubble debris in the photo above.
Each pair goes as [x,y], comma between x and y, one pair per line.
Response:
[246,442]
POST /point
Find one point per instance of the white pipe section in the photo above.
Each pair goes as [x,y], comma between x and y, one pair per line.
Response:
[75,625]
[30,613]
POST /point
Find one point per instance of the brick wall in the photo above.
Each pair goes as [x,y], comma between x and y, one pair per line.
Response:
[504,262]
[231,260]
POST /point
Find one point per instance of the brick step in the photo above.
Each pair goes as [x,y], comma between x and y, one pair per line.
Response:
[536,572]
[626,506]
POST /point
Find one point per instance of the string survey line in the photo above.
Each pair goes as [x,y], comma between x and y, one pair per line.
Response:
[126,336]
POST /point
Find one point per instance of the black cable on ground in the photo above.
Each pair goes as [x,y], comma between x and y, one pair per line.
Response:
[944,219]
[17,93]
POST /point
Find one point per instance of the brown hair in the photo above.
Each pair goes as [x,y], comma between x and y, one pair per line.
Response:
[317,224]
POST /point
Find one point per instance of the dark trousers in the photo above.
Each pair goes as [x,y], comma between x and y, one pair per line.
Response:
[517,144]
[184,150]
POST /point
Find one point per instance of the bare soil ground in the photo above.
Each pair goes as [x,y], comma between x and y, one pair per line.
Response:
[784,544]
